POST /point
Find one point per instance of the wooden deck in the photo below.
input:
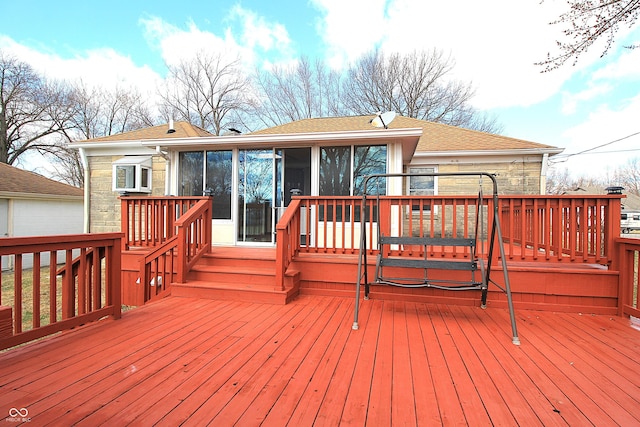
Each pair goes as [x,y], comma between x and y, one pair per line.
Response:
[197,362]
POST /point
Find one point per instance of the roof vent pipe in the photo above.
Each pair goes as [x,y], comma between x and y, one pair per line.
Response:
[171,128]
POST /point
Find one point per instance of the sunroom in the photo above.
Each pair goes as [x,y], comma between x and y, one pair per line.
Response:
[253,177]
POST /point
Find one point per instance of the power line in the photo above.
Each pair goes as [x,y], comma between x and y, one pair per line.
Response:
[567,156]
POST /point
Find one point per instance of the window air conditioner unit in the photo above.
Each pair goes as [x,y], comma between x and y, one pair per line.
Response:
[132,174]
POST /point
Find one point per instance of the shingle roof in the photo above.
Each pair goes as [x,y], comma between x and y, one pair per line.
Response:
[435,136]
[14,180]
[182,130]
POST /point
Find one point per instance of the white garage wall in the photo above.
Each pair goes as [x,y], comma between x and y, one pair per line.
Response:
[41,218]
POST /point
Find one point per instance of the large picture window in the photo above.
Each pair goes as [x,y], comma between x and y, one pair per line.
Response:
[343,169]
[342,173]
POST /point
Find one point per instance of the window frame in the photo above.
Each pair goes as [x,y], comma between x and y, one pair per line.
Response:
[142,168]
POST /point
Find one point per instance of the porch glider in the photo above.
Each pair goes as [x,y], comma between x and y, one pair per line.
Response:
[467,272]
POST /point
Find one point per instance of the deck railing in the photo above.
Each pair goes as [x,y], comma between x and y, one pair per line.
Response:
[534,228]
[151,221]
[628,263]
[171,261]
[57,283]
[560,228]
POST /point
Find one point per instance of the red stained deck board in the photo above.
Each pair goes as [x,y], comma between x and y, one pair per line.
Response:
[272,368]
[546,396]
[468,395]
[577,387]
[297,370]
[354,389]
[409,362]
[122,373]
[335,363]
[134,397]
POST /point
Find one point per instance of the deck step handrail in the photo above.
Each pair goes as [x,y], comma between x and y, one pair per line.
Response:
[149,221]
[91,293]
[171,261]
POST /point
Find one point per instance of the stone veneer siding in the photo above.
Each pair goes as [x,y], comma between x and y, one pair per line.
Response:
[105,203]
[512,178]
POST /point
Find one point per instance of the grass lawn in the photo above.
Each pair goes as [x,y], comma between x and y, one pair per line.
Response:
[8,293]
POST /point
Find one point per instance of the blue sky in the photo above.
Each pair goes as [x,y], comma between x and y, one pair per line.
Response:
[494,43]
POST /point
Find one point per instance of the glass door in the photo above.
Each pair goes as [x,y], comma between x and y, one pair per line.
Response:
[255,195]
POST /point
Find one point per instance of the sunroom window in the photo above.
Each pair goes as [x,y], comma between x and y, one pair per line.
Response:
[132,174]
[343,169]
[342,173]
[208,173]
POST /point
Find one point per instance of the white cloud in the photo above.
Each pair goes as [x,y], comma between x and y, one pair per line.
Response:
[258,33]
[570,100]
[494,43]
[627,66]
[97,67]
[603,126]
[248,37]
[176,44]
[350,28]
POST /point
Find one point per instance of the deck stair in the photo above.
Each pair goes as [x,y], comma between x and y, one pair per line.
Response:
[238,273]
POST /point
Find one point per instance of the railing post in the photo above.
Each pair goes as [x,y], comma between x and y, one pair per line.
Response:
[115,277]
[124,223]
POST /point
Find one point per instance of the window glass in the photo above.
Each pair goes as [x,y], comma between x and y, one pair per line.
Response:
[219,182]
[421,185]
[125,176]
[145,177]
[369,160]
[191,170]
[335,168]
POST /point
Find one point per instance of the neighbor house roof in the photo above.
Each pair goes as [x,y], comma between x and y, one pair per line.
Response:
[435,136]
[18,181]
[630,202]
[182,130]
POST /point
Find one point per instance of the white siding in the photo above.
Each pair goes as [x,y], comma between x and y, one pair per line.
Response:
[40,218]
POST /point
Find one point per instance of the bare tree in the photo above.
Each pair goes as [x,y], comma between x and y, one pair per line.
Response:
[97,112]
[628,176]
[303,91]
[559,181]
[32,110]
[588,21]
[102,112]
[414,85]
[206,91]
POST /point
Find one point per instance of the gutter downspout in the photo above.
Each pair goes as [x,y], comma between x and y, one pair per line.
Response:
[543,173]
[87,190]
[167,170]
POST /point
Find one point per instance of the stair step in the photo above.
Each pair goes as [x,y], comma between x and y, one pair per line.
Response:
[233,291]
[232,274]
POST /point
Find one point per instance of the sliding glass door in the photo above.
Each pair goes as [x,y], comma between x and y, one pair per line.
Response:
[255,195]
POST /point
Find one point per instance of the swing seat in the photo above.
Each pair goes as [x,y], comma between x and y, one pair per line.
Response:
[472,265]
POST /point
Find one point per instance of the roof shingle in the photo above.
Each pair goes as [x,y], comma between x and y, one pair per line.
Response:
[14,180]
[435,136]
[182,130]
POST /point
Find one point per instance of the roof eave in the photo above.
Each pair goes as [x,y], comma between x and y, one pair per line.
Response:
[41,196]
[508,152]
[407,137]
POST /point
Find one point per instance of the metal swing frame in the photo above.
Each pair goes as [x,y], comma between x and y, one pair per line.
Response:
[494,237]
